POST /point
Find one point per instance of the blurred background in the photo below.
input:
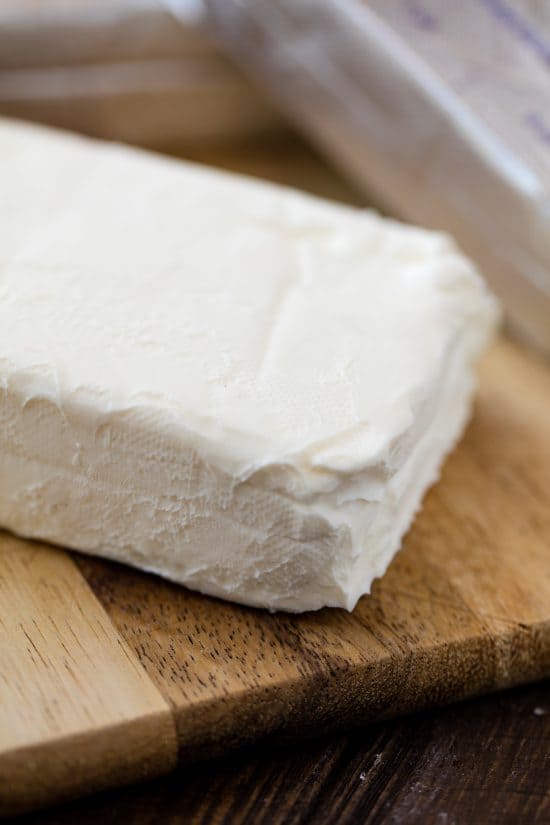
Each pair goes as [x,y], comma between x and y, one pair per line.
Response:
[434,111]
[129,71]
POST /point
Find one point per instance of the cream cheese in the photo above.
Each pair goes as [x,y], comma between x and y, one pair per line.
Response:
[235,385]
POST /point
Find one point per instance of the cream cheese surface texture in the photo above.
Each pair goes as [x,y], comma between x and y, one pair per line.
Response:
[234,385]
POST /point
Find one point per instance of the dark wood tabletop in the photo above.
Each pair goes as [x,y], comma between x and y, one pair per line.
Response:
[484,761]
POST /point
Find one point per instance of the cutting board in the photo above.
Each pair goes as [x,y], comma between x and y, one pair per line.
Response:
[108,675]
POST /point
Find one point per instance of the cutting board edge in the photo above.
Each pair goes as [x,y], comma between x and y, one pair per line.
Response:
[320,698]
[86,762]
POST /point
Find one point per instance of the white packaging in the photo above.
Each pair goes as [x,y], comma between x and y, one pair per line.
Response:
[124,70]
[441,108]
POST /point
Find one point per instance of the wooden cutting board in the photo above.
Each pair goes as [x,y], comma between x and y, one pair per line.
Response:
[108,675]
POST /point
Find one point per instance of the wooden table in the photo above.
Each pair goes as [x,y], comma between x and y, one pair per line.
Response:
[485,761]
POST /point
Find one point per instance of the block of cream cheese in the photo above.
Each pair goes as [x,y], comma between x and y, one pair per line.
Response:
[231,384]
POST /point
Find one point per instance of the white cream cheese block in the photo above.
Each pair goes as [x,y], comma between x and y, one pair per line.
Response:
[234,385]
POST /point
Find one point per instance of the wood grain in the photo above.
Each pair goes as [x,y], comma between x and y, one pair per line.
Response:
[483,762]
[76,710]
